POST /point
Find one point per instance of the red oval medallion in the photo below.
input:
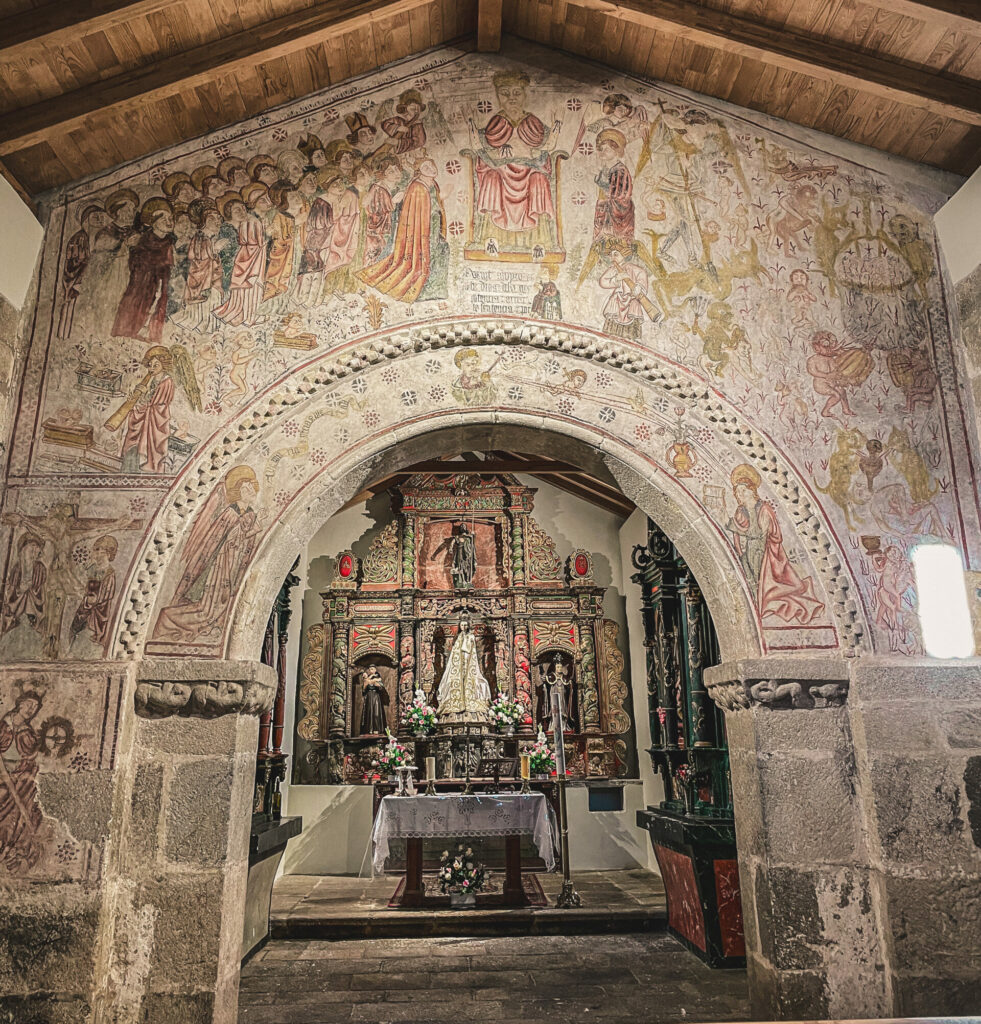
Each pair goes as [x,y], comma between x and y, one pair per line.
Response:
[582,565]
[346,566]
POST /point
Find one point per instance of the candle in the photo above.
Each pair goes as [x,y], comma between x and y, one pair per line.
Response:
[526,766]
[430,769]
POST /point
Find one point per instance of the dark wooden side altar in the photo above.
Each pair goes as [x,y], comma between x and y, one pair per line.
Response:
[397,611]
[692,831]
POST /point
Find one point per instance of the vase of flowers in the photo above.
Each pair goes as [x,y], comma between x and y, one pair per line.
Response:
[682,786]
[542,756]
[461,876]
[393,756]
[420,717]
[506,713]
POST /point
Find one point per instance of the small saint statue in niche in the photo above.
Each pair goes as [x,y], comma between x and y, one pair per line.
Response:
[374,697]
[556,672]
[464,693]
[463,567]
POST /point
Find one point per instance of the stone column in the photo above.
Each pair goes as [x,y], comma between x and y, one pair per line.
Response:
[857,797]
[174,899]
[917,730]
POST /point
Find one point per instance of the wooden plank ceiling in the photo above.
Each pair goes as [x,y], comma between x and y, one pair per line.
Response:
[88,84]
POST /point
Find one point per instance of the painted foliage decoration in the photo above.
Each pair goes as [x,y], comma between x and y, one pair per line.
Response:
[780,282]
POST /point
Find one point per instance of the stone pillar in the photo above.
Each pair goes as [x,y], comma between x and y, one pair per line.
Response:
[917,730]
[174,903]
[857,798]
[133,909]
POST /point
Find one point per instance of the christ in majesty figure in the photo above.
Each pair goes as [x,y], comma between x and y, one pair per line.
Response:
[515,170]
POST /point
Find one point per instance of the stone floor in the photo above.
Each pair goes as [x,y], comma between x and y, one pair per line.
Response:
[336,907]
[518,979]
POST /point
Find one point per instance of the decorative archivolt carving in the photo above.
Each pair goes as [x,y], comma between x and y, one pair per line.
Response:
[257,422]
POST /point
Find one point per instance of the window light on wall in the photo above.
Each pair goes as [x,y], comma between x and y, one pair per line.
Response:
[941,593]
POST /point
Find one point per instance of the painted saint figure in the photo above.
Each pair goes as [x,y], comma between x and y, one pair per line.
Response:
[614,213]
[143,308]
[248,280]
[464,693]
[215,556]
[95,609]
[406,126]
[373,700]
[20,813]
[202,292]
[93,219]
[416,266]
[895,580]
[25,590]
[627,281]
[759,544]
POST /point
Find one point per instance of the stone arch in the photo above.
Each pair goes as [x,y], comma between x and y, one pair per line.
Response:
[657,383]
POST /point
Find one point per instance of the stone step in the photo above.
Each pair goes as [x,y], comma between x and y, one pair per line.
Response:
[390,924]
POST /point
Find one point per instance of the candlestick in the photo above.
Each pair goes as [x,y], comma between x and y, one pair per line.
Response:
[525,773]
[467,789]
[430,776]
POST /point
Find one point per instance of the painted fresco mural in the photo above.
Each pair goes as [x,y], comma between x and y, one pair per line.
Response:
[62,729]
[798,287]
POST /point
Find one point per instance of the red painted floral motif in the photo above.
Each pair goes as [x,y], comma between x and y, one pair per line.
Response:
[730,907]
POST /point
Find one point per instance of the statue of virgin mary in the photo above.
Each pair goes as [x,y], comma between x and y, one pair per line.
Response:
[464,694]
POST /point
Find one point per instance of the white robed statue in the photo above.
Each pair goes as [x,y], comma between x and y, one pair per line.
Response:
[464,694]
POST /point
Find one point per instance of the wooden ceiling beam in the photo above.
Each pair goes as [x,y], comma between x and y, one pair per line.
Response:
[619,507]
[795,51]
[489,15]
[489,467]
[956,15]
[58,23]
[163,78]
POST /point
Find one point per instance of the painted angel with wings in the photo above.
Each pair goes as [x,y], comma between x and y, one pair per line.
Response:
[146,412]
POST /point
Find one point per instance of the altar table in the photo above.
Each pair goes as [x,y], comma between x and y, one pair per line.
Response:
[512,815]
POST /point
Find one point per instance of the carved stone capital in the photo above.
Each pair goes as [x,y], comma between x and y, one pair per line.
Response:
[778,683]
[203,689]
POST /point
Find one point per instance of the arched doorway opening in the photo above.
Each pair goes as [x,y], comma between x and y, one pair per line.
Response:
[335,464]
[358,559]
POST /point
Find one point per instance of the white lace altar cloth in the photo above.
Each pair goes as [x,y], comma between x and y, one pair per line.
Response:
[458,816]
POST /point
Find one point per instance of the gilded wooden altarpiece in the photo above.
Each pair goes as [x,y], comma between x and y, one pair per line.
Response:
[399,609]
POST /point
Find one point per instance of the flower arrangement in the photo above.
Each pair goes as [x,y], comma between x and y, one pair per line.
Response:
[461,872]
[542,757]
[683,778]
[393,756]
[506,713]
[420,717]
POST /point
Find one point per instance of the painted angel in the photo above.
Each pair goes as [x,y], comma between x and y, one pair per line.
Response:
[217,552]
[147,410]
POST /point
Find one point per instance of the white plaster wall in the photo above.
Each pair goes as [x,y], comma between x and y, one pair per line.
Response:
[22,237]
[958,225]
[336,827]
[607,840]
